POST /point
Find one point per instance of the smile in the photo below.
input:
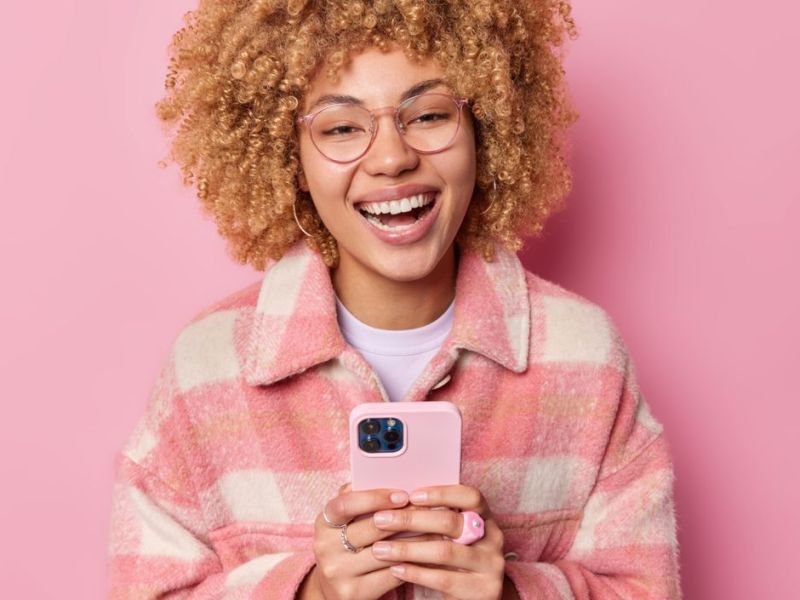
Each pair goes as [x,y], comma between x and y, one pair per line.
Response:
[398,215]
[402,221]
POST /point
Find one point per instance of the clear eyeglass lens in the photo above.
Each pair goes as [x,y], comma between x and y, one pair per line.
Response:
[428,122]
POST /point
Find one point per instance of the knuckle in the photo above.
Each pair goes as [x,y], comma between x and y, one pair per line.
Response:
[403,518]
[455,523]
[329,570]
[496,536]
[400,551]
[493,533]
[338,506]
[359,590]
[445,582]
[474,498]
[347,590]
[497,564]
[445,551]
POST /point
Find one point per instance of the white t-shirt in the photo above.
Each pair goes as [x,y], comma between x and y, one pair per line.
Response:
[397,355]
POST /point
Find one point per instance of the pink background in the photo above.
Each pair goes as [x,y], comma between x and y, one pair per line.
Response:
[680,226]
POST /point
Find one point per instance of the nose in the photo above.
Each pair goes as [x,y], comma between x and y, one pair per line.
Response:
[389,155]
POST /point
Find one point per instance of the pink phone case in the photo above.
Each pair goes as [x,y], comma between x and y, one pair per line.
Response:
[431,454]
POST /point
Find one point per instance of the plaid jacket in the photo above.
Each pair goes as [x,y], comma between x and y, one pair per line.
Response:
[245,438]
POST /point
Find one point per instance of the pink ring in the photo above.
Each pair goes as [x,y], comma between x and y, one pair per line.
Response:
[473,528]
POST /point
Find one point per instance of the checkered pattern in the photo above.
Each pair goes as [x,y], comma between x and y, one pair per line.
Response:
[245,438]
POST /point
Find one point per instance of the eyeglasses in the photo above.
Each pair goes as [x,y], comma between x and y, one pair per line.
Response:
[427,123]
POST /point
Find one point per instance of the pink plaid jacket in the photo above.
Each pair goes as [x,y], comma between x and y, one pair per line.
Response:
[245,438]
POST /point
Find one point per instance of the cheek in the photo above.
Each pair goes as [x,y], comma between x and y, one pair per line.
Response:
[461,168]
[460,172]
[325,178]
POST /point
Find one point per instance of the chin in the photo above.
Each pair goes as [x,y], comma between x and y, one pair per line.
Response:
[406,266]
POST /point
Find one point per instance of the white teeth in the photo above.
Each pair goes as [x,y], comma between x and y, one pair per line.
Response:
[396,207]
[371,210]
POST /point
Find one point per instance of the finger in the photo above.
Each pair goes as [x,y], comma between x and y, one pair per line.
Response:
[377,583]
[367,584]
[462,497]
[492,534]
[442,553]
[344,508]
[445,522]
[340,563]
[344,488]
[453,583]
[363,532]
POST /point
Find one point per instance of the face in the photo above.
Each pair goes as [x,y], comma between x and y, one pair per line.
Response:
[400,247]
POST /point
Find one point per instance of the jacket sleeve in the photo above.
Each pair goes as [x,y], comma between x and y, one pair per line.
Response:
[160,545]
[159,548]
[625,546]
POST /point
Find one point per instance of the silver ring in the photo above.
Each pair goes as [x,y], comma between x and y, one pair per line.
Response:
[345,542]
[329,522]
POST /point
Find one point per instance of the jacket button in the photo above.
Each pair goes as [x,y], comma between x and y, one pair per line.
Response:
[442,382]
[511,556]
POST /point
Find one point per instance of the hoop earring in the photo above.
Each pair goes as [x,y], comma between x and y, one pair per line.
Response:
[294,212]
[494,186]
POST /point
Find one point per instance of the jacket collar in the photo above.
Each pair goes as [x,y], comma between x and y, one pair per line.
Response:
[294,324]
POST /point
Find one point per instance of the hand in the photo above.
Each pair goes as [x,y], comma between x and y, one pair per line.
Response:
[339,573]
[459,571]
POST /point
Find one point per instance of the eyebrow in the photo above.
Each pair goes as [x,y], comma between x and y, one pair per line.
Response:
[414,90]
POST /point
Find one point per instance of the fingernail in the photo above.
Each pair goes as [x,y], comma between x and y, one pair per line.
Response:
[383,518]
[381,548]
[399,497]
[397,570]
[419,496]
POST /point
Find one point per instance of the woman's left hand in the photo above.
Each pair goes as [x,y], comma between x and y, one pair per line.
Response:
[458,571]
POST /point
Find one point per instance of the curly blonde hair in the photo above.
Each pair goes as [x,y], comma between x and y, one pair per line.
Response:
[240,68]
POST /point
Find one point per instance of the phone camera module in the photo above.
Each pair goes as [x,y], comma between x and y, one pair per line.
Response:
[380,435]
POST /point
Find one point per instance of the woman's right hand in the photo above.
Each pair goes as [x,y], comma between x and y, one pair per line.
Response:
[339,573]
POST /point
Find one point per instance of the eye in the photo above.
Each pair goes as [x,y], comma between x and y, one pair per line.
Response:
[428,117]
[428,120]
[341,130]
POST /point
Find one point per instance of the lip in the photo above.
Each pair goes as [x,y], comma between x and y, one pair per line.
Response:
[408,236]
[395,193]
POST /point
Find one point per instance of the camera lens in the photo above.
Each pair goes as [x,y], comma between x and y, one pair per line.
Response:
[391,436]
[370,426]
[371,445]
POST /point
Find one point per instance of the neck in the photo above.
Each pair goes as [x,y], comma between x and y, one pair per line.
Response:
[388,304]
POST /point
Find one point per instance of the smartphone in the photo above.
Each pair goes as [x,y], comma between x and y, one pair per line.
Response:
[405,445]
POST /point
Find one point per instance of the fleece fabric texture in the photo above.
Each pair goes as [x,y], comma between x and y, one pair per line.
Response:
[245,438]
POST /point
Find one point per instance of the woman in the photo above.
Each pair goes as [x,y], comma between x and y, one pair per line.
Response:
[382,160]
